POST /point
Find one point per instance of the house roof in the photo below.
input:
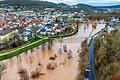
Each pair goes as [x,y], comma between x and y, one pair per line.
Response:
[4,32]
[43,30]
[49,25]
[2,22]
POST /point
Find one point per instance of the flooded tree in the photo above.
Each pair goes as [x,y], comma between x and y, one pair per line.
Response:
[26,52]
[94,26]
[32,50]
[43,46]
[23,74]
[50,43]
[65,48]
[83,55]
[60,51]
[52,66]
[30,58]
[37,73]
[2,69]
[37,49]
[19,58]
[69,54]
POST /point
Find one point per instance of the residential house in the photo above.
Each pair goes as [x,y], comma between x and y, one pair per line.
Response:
[114,23]
[48,27]
[77,17]
[6,35]
[43,31]
[27,34]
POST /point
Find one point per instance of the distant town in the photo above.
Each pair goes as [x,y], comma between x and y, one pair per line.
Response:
[41,40]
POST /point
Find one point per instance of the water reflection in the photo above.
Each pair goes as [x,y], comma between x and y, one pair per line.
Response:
[34,62]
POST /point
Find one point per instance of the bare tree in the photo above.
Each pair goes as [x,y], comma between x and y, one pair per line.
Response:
[23,74]
[37,73]
[50,43]
[2,68]
[43,47]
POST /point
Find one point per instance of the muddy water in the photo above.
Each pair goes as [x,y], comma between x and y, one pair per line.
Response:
[67,69]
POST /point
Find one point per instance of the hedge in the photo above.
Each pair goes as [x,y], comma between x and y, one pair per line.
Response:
[67,35]
[22,49]
[31,46]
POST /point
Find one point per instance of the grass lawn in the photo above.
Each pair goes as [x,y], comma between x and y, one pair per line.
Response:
[6,54]
[4,51]
[16,51]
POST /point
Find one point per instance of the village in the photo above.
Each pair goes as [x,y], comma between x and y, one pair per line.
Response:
[42,40]
[17,28]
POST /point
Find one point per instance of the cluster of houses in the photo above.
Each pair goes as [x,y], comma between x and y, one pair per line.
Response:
[113,24]
[26,25]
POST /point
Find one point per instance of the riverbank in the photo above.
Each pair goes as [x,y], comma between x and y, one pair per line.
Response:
[66,35]
[84,53]
[22,49]
[30,60]
[107,56]
[40,40]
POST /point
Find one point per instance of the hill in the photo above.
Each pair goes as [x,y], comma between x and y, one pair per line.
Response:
[41,4]
[114,6]
[46,4]
[85,7]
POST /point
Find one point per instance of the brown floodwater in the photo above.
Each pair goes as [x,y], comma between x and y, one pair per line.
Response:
[66,69]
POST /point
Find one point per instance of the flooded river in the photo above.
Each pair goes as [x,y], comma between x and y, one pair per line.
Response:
[38,59]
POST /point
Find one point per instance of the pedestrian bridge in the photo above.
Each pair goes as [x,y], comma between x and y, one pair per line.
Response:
[71,40]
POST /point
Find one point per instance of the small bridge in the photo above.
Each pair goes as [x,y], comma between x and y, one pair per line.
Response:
[71,40]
